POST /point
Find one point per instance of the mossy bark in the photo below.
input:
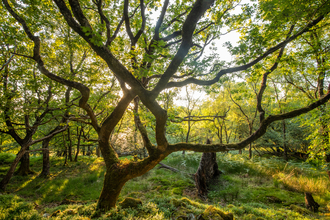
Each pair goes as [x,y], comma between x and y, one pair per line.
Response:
[45,158]
[113,183]
[24,168]
[4,182]
[207,170]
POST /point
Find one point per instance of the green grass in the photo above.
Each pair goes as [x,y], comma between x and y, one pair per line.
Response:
[261,188]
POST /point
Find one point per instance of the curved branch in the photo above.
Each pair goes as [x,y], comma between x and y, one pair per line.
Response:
[257,134]
[84,90]
[142,129]
[188,29]
[246,66]
[161,19]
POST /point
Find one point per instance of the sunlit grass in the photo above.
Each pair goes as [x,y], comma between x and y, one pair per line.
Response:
[261,188]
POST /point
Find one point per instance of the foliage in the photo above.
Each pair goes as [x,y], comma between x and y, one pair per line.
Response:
[247,189]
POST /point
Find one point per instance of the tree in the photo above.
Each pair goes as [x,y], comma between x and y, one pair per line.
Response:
[145,58]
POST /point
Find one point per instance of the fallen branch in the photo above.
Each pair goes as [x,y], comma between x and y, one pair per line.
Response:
[168,167]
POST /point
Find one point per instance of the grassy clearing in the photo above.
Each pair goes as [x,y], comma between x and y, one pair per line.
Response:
[261,188]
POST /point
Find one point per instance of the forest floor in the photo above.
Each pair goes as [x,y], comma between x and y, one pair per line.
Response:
[261,188]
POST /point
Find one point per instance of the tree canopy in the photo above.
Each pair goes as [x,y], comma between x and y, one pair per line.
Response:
[120,55]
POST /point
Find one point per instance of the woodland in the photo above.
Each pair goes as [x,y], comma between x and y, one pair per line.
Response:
[146,109]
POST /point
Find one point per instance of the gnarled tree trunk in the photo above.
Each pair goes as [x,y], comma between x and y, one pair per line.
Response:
[4,182]
[24,168]
[207,171]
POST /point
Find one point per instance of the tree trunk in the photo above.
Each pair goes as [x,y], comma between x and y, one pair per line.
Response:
[89,152]
[207,171]
[78,144]
[4,182]
[24,168]
[113,183]
[250,145]
[45,159]
[310,202]
[65,151]
[285,155]
[70,145]
[98,153]
[327,160]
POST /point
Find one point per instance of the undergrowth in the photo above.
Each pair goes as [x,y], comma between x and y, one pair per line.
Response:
[260,188]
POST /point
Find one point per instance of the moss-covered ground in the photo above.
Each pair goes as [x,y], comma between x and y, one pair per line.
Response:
[261,188]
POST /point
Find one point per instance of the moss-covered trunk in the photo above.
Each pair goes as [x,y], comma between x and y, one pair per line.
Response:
[4,182]
[45,158]
[24,168]
[207,171]
[113,183]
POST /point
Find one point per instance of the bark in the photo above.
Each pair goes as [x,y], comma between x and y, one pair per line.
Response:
[327,160]
[310,202]
[207,171]
[70,145]
[24,168]
[89,152]
[168,167]
[78,144]
[98,152]
[4,182]
[45,159]
[65,151]
[113,183]
[285,153]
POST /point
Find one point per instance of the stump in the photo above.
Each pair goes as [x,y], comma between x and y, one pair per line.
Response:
[310,202]
[207,171]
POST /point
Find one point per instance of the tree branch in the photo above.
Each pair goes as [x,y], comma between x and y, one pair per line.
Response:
[248,65]
[257,134]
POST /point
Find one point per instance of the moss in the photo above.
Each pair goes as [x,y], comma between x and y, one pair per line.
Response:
[130,202]
[216,214]
[249,217]
[56,213]
[230,206]
[299,209]
[178,203]
[177,191]
[182,212]
[135,194]
[69,212]
[158,188]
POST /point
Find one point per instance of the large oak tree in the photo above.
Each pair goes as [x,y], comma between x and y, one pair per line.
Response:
[148,55]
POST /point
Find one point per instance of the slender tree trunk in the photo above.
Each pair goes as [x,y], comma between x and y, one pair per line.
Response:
[0,142]
[89,150]
[4,182]
[70,145]
[65,151]
[98,153]
[250,145]
[24,168]
[187,136]
[285,155]
[327,160]
[45,158]
[78,144]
